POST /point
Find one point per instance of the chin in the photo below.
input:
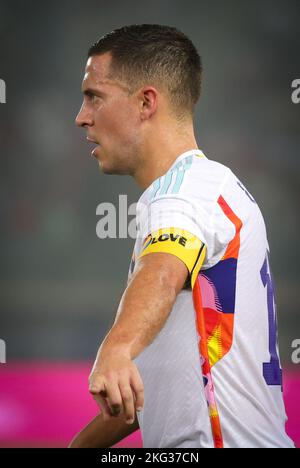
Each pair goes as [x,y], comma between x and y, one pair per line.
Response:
[110,170]
[102,168]
[107,170]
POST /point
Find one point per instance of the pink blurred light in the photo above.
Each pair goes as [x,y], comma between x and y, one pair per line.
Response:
[46,404]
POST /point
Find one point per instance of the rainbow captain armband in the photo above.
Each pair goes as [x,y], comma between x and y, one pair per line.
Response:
[179,242]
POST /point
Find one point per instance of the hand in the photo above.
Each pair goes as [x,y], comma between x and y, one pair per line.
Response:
[116,385]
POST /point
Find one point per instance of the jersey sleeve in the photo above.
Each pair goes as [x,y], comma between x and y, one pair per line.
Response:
[189,224]
[169,224]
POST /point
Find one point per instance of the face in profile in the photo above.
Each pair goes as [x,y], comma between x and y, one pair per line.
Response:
[111,118]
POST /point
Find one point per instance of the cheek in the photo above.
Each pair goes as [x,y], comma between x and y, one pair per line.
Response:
[128,121]
[117,123]
[124,125]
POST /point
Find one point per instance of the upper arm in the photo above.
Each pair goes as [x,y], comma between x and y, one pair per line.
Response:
[165,268]
[179,254]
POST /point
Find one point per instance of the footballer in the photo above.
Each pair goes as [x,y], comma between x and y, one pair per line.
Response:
[192,358]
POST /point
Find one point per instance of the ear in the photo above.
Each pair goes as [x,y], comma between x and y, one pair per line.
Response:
[148,99]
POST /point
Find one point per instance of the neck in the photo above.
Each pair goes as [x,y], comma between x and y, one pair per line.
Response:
[160,152]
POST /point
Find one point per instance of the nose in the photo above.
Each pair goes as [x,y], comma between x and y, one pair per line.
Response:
[83,118]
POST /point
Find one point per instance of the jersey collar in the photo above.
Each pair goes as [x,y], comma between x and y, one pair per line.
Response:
[196,152]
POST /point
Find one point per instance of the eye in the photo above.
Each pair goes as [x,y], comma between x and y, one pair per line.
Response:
[90,96]
[95,98]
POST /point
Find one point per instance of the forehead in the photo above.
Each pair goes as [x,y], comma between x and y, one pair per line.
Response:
[96,72]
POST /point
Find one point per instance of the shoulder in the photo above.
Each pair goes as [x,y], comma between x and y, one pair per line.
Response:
[205,178]
[194,178]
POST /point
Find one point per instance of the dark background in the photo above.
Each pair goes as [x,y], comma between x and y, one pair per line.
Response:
[59,284]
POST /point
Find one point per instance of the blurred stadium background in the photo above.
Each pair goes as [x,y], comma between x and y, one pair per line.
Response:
[59,284]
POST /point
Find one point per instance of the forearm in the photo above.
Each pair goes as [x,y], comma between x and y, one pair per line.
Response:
[143,311]
[115,381]
[103,434]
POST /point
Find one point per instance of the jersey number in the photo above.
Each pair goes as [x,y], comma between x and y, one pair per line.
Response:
[271,370]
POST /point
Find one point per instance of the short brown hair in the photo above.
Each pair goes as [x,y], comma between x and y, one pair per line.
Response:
[154,54]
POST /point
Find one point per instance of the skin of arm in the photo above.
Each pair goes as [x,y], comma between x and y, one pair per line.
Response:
[115,382]
[103,434]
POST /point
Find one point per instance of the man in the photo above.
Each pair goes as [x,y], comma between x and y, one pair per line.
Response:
[193,349]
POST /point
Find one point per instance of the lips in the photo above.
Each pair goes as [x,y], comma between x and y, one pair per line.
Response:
[92,140]
[95,150]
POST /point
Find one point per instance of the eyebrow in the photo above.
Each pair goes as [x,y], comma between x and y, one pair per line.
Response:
[89,91]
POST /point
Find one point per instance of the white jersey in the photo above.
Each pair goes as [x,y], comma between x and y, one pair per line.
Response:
[212,376]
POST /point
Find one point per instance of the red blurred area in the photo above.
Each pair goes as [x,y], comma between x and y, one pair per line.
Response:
[46,404]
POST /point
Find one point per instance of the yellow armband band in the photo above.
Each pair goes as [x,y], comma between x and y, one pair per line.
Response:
[178,242]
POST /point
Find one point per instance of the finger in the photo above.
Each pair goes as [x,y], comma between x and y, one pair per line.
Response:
[138,388]
[128,400]
[104,408]
[114,396]
[96,384]
[98,390]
